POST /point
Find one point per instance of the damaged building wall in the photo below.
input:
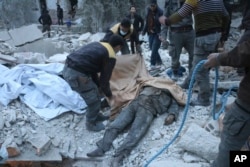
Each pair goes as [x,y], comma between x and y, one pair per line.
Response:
[96,15]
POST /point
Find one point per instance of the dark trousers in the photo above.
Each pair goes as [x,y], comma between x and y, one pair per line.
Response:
[236,130]
[154,45]
[88,90]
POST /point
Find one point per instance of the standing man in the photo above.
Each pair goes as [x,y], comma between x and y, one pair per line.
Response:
[46,21]
[181,35]
[59,15]
[211,20]
[138,24]
[126,31]
[236,122]
[153,29]
[81,72]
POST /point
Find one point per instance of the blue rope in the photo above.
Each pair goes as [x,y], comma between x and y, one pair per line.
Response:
[189,95]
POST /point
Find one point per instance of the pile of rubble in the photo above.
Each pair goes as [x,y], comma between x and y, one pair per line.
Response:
[64,139]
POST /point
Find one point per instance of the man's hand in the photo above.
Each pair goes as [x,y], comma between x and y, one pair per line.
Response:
[162,20]
[212,60]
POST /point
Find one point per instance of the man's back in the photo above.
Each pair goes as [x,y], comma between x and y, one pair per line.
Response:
[207,14]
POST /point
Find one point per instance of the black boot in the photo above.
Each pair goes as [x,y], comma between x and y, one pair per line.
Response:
[95,126]
[96,153]
[101,117]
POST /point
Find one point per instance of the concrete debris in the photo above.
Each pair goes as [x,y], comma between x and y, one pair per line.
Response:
[197,140]
[40,142]
[66,136]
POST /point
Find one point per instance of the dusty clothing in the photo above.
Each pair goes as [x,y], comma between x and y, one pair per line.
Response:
[81,69]
[139,114]
[131,34]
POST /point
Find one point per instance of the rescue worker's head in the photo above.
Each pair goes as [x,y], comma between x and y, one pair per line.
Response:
[117,42]
[124,27]
[153,5]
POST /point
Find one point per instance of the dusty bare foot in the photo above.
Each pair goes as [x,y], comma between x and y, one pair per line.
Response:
[169,120]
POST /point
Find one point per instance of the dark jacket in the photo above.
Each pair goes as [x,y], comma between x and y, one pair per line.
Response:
[92,59]
[239,56]
[138,22]
[246,16]
[155,20]
[45,19]
[116,30]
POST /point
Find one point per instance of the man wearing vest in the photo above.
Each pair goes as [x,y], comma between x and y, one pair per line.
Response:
[81,72]
[126,30]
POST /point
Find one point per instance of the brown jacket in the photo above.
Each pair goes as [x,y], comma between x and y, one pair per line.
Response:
[239,56]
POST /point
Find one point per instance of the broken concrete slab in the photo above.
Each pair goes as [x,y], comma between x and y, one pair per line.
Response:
[25,34]
[4,36]
[41,46]
[7,59]
[51,155]
[41,142]
[200,142]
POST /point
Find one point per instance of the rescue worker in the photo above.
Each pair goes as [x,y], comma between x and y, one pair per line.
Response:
[139,114]
[126,31]
[81,72]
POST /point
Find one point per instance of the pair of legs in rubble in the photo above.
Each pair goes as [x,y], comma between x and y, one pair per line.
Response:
[178,40]
[204,45]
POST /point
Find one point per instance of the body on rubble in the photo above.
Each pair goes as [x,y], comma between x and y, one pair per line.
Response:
[139,114]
